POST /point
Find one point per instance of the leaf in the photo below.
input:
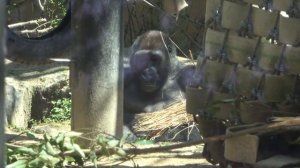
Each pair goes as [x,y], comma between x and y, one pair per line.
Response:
[70,159]
[46,137]
[35,163]
[42,147]
[123,139]
[113,143]
[50,160]
[50,149]
[93,157]
[30,135]
[101,140]
[68,146]
[59,138]
[144,142]
[18,164]
[26,150]
[78,150]
[121,152]
[65,163]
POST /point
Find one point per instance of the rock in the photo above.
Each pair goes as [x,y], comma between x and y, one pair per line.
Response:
[46,129]
[17,103]
[30,88]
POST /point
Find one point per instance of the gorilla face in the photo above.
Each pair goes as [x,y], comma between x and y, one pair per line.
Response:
[149,71]
[147,66]
[150,61]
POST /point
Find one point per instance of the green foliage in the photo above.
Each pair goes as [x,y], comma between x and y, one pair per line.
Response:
[51,10]
[48,153]
[57,11]
[60,4]
[61,110]
[16,129]
[110,146]
[143,141]
[60,151]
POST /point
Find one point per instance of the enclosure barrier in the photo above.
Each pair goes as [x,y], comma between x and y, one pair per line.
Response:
[250,72]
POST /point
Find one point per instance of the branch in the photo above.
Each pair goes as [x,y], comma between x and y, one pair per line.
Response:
[288,124]
[46,30]
[16,25]
[281,125]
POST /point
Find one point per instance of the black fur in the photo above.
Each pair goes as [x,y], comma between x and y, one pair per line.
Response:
[153,78]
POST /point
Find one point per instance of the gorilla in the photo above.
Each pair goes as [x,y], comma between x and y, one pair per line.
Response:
[153,77]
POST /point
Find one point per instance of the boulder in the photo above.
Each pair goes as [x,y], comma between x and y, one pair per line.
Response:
[30,89]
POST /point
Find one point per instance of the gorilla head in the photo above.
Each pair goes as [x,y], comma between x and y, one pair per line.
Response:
[149,83]
[150,61]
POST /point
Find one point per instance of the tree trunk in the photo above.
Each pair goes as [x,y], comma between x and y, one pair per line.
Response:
[96,70]
[2,114]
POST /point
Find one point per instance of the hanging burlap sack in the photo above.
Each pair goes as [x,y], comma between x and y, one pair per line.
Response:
[239,49]
[211,7]
[213,43]
[278,88]
[268,55]
[289,31]
[283,5]
[216,105]
[221,107]
[247,81]
[215,74]
[254,111]
[256,2]
[263,21]
[233,15]
[293,60]
[197,99]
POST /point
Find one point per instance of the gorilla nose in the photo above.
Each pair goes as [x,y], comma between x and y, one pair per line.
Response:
[149,74]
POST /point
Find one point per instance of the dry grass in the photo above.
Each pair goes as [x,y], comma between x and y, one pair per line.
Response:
[158,121]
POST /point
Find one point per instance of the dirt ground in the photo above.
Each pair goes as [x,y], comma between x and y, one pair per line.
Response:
[188,157]
[183,157]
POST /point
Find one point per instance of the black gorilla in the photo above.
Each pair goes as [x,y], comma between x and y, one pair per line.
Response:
[153,76]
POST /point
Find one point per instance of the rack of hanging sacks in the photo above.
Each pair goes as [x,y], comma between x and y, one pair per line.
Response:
[248,74]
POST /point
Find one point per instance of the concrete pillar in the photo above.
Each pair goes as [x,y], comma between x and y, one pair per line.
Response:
[96,69]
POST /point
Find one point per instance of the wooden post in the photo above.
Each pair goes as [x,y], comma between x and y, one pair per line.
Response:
[2,112]
[96,69]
